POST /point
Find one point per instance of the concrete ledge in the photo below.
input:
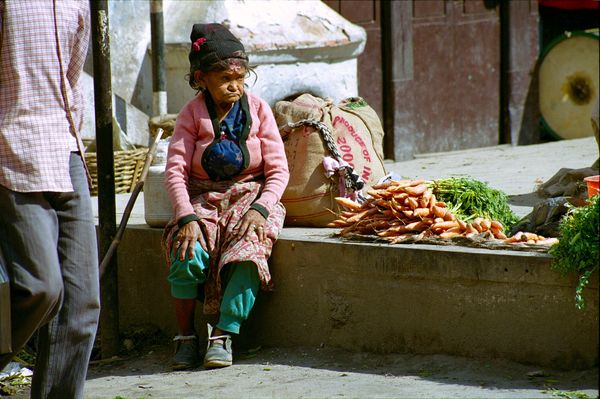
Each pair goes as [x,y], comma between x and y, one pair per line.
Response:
[383,298]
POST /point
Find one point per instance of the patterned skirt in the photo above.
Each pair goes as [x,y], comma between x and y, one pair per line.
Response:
[220,205]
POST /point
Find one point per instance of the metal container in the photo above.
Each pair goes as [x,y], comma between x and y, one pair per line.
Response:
[157,206]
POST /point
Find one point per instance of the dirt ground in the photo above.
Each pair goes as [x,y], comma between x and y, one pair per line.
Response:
[330,373]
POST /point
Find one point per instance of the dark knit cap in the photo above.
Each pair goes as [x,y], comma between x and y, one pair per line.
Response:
[212,43]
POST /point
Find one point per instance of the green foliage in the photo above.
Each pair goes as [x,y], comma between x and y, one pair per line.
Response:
[578,249]
[26,357]
[570,394]
[469,198]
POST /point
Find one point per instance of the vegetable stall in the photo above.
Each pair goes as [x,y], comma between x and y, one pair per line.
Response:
[464,211]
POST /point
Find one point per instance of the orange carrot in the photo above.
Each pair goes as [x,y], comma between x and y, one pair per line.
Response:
[449,234]
[432,201]
[348,203]
[337,223]
[396,213]
[485,224]
[471,229]
[422,212]
[424,199]
[449,216]
[439,212]
[400,196]
[548,241]
[412,203]
[516,237]
[417,226]
[361,215]
[384,185]
[533,236]
[499,234]
[496,224]
[454,230]
[402,185]
[382,203]
[416,190]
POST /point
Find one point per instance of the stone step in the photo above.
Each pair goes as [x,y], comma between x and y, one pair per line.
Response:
[384,298]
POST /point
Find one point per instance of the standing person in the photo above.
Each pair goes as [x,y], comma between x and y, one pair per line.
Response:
[47,232]
[226,171]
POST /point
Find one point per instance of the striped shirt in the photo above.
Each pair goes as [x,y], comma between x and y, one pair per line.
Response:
[36,37]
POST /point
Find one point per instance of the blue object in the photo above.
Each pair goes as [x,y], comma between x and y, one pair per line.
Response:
[225,157]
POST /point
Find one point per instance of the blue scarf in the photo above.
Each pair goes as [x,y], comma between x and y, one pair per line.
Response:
[227,155]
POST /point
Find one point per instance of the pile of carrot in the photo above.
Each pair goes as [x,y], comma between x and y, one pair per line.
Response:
[398,210]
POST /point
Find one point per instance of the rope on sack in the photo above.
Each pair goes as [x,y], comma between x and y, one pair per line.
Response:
[352,181]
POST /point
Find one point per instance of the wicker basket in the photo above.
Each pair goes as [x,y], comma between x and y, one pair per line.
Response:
[128,169]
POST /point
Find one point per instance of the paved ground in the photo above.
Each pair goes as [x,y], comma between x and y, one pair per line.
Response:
[330,373]
[326,373]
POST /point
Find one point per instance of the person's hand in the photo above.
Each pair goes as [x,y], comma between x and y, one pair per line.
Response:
[252,221]
[186,239]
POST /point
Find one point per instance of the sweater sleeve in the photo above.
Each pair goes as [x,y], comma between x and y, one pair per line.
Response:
[75,67]
[179,163]
[274,159]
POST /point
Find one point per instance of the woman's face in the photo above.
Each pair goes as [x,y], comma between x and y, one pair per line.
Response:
[226,86]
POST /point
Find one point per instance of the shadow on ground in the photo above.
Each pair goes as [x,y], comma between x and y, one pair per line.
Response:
[329,372]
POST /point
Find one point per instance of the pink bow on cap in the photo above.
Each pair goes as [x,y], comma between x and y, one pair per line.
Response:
[199,42]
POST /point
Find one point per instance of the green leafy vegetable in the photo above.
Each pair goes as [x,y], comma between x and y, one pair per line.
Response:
[578,248]
[469,198]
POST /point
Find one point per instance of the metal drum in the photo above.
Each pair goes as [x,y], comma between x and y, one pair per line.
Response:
[568,84]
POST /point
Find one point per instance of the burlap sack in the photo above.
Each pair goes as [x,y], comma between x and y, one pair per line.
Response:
[166,122]
[358,127]
[358,136]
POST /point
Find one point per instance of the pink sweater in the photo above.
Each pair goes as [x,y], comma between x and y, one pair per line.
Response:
[194,132]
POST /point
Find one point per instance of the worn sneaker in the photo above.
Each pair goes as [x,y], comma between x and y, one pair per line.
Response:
[186,352]
[218,352]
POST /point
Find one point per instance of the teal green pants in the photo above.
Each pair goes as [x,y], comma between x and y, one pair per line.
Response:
[241,283]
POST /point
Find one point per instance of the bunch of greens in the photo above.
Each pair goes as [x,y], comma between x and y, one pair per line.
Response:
[469,198]
[578,248]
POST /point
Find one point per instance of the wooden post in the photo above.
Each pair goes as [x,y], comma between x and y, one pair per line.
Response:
[519,108]
[396,27]
[159,87]
[109,315]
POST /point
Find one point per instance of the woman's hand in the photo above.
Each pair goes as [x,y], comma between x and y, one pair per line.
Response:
[252,221]
[186,239]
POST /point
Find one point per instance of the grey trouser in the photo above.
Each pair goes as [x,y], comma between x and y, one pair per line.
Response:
[49,244]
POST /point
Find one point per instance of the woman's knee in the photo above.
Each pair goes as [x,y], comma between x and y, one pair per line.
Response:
[241,289]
